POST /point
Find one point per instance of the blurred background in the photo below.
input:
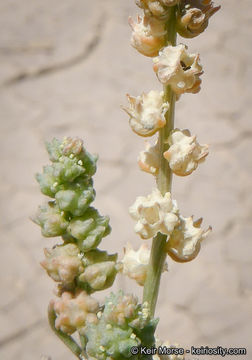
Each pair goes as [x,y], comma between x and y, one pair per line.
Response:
[65,68]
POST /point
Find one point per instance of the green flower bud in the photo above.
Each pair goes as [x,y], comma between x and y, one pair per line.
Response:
[89,229]
[124,311]
[76,197]
[51,219]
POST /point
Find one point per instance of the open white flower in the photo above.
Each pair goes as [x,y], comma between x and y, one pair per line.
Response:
[148,160]
[154,213]
[148,35]
[184,153]
[147,112]
[185,241]
[176,67]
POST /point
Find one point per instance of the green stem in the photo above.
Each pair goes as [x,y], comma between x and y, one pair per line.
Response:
[67,340]
[164,181]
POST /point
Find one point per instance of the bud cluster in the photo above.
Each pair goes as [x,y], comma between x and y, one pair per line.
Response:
[122,324]
[76,265]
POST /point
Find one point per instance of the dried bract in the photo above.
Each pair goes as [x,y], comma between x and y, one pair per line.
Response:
[184,243]
[148,35]
[176,67]
[154,213]
[193,16]
[184,153]
[147,112]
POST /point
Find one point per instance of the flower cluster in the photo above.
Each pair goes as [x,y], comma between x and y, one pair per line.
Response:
[76,265]
[156,213]
[121,325]
[69,181]
[179,71]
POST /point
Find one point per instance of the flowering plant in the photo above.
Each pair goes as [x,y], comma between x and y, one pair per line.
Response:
[111,330]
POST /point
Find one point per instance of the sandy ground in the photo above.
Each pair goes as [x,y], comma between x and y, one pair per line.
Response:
[65,68]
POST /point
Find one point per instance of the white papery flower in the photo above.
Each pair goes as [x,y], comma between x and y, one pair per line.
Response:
[184,153]
[176,67]
[154,213]
[147,112]
[185,241]
[148,35]
[148,160]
